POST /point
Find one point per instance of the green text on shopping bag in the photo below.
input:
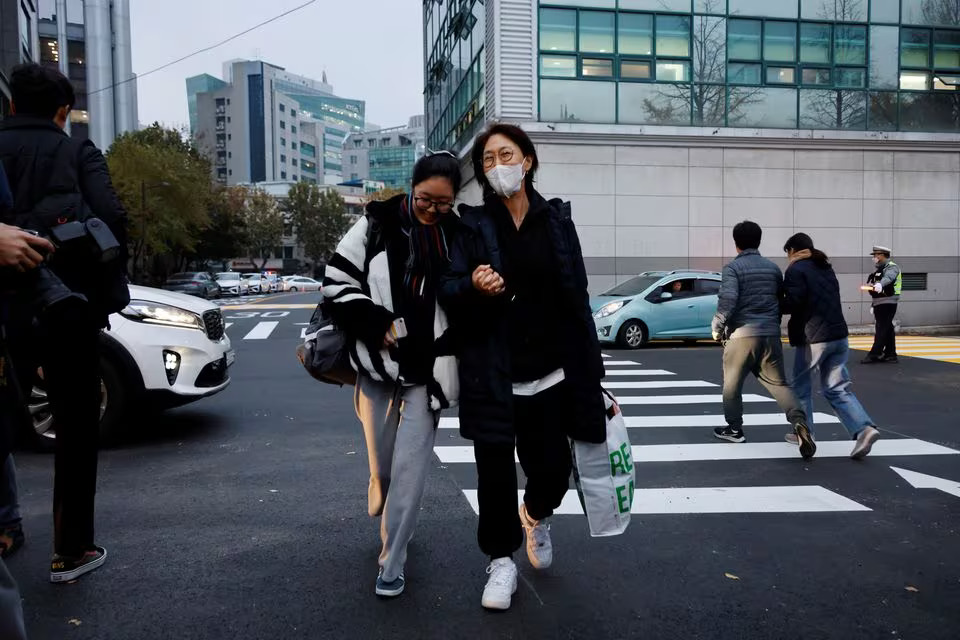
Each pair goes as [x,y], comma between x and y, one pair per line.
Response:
[620,460]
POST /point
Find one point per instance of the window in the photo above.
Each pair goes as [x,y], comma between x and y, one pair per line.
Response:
[293,114]
[293,145]
[811,76]
[294,177]
[743,39]
[850,45]
[673,36]
[781,75]
[558,30]
[283,125]
[353,159]
[594,67]
[283,158]
[293,162]
[293,128]
[914,47]
[634,70]
[283,107]
[815,43]
[780,41]
[743,73]
[558,66]
[850,78]
[283,175]
[673,71]
[577,100]
[946,49]
[596,31]
[635,34]
[283,142]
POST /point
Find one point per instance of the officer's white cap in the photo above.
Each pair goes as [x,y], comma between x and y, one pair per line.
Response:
[878,249]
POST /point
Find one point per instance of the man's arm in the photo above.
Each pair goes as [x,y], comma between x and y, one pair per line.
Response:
[727,300]
[890,274]
[99,194]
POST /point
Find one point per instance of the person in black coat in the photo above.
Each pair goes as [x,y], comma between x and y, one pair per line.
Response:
[530,363]
[819,332]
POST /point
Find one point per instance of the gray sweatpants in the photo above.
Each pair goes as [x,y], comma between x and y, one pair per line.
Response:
[11,611]
[400,429]
[762,357]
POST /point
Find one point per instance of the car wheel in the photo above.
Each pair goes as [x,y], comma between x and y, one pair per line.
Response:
[633,335]
[113,403]
[293,289]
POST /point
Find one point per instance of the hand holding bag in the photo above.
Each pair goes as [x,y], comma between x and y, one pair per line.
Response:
[605,475]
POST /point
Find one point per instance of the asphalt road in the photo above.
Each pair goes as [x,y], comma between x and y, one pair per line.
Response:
[243,516]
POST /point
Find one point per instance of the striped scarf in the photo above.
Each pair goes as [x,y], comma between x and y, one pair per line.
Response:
[428,252]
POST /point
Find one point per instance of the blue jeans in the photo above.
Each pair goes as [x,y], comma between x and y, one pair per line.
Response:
[9,501]
[830,359]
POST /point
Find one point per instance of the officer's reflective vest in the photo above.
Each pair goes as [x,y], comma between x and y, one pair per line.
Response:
[892,289]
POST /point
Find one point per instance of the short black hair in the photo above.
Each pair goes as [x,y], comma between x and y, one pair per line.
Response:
[519,137]
[40,91]
[747,235]
[440,164]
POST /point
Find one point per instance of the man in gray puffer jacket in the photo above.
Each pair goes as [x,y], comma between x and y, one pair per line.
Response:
[748,324]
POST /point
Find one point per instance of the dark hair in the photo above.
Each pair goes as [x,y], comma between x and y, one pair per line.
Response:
[516,135]
[747,235]
[40,91]
[803,242]
[441,164]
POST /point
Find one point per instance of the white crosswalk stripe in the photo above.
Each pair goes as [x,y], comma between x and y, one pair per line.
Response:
[262,331]
[645,395]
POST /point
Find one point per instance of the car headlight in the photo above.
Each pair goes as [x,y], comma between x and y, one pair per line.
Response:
[162,314]
[610,309]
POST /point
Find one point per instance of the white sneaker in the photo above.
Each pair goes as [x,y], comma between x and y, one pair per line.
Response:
[501,585]
[539,546]
[865,441]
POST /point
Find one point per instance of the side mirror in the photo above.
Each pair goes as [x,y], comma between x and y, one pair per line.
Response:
[666,295]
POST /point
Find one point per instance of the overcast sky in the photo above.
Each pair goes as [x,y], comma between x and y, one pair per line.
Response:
[372,50]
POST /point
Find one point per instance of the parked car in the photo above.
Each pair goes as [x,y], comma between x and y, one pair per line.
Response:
[256,282]
[274,285]
[232,284]
[194,283]
[657,305]
[163,350]
[285,282]
[302,283]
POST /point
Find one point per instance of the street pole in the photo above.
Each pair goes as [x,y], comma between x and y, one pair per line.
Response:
[143,225]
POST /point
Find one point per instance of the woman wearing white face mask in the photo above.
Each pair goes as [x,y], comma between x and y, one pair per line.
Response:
[530,364]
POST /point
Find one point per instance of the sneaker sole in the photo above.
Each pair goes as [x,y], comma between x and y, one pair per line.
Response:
[807,446]
[730,438]
[539,566]
[498,606]
[390,593]
[867,447]
[68,576]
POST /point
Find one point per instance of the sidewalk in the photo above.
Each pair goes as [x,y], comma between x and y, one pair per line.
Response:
[935,330]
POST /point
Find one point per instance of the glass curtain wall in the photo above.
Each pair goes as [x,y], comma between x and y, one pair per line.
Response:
[881,65]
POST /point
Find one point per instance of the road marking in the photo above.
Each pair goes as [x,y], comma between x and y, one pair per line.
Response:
[621,363]
[303,333]
[652,422]
[641,372]
[685,399]
[267,307]
[785,499]
[459,454]
[658,384]
[227,325]
[923,481]
[262,331]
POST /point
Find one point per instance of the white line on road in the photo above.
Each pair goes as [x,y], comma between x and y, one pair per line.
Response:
[227,325]
[715,420]
[658,384]
[685,399]
[796,499]
[640,372]
[262,331]
[746,451]
[620,363]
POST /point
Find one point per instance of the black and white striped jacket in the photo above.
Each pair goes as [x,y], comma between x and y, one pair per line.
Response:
[363,306]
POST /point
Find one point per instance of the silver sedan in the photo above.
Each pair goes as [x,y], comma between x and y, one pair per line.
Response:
[302,283]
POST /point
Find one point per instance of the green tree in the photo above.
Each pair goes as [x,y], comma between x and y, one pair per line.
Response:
[319,219]
[264,221]
[164,183]
[226,237]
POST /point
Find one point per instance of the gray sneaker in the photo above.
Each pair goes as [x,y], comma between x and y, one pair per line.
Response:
[865,440]
[539,545]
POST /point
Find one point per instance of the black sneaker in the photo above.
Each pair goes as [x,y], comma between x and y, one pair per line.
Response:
[807,446]
[730,434]
[11,539]
[65,568]
[890,359]
[390,589]
[870,360]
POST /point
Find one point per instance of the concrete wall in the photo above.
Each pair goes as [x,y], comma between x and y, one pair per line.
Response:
[640,207]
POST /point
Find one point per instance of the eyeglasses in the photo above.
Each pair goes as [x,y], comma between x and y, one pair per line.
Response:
[505,155]
[426,203]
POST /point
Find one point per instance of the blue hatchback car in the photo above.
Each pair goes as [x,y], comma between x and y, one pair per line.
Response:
[657,305]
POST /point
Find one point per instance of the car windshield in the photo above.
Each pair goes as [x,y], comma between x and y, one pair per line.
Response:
[177,277]
[632,287]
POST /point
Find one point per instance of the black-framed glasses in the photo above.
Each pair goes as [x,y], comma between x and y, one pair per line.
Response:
[426,203]
[505,155]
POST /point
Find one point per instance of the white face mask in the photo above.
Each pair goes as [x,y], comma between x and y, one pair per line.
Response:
[506,179]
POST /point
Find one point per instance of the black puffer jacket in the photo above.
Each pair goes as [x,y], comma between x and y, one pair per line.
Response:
[480,324]
[812,298]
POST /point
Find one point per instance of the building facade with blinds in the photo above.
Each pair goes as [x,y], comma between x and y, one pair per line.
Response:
[666,122]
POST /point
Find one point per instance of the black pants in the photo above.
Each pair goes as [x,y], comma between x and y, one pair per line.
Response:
[544,453]
[66,346]
[885,338]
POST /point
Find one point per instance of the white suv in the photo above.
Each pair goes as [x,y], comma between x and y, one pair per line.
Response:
[164,350]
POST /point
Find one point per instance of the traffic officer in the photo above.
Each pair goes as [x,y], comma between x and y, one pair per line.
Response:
[886,282]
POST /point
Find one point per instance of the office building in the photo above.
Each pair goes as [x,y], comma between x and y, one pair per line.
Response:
[18,42]
[261,123]
[384,155]
[665,122]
